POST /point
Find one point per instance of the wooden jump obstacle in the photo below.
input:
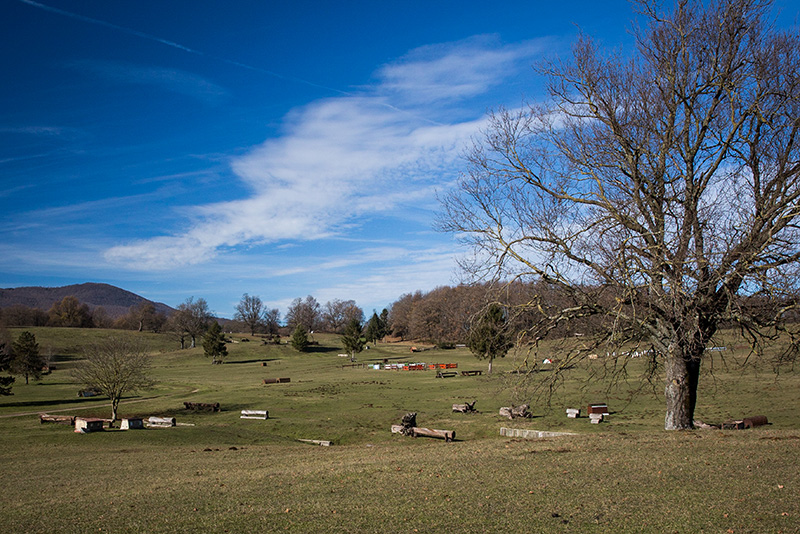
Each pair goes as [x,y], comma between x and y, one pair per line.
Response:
[202,406]
[468,407]
[58,419]
[156,421]
[516,411]
[254,414]
[277,380]
[410,428]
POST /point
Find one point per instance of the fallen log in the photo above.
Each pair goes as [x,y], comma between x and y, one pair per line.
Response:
[277,380]
[58,419]
[464,408]
[754,421]
[747,422]
[202,406]
[415,431]
[516,411]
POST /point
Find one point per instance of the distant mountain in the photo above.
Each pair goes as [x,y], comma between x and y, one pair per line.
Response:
[114,300]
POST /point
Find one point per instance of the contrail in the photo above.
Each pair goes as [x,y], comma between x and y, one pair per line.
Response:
[173,44]
[179,46]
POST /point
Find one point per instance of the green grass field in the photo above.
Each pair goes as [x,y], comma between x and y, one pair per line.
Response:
[216,472]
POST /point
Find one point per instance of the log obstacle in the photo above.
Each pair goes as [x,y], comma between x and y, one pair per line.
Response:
[516,411]
[471,373]
[58,419]
[409,428]
[202,406]
[415,431]
[254,414]
[277,380]
[320,442]
[465,408]
[754,421]
[747,422]
[573,413]
[161,421]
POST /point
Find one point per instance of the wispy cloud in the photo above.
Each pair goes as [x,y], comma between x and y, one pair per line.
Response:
[174,80]
[455,71]
[342,158]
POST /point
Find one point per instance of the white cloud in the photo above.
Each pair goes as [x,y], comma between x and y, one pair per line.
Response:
[455,70]
[339,159]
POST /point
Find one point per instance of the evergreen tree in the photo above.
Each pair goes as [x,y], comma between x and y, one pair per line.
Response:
[27,360]
[6,360]
[299,339]
[352,339]
[488,337]
[373,331]
[214,343]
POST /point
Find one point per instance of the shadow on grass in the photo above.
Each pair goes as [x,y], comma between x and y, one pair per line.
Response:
[51,402]
[318,349]
[254,360]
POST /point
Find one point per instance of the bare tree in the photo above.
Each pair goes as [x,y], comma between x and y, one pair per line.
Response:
[250,311]
[191,320]
[337,314]
[303,312]
[655,190]
[114,366]
[272,321]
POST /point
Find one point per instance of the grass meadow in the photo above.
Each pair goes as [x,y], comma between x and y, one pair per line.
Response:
[216,472]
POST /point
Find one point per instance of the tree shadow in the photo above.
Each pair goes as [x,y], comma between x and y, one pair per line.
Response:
[254,360]
[52,402]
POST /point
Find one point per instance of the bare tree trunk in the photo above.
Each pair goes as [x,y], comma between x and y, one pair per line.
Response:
[114,406]
[683,373]
[491,360]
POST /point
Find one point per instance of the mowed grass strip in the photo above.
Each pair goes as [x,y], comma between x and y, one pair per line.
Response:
[227,474]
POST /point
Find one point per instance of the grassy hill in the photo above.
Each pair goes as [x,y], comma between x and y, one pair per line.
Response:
[217,472]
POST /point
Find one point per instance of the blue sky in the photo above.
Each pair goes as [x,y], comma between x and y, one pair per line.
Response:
[280,149]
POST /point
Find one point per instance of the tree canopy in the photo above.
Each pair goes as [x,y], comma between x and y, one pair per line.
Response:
[658,191]
[250,311]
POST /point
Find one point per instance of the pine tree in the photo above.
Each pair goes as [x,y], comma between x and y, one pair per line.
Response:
[488,336]
[373,332]
[352,338]
[6,360]
[299,339]
[27,360]
[214,343]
